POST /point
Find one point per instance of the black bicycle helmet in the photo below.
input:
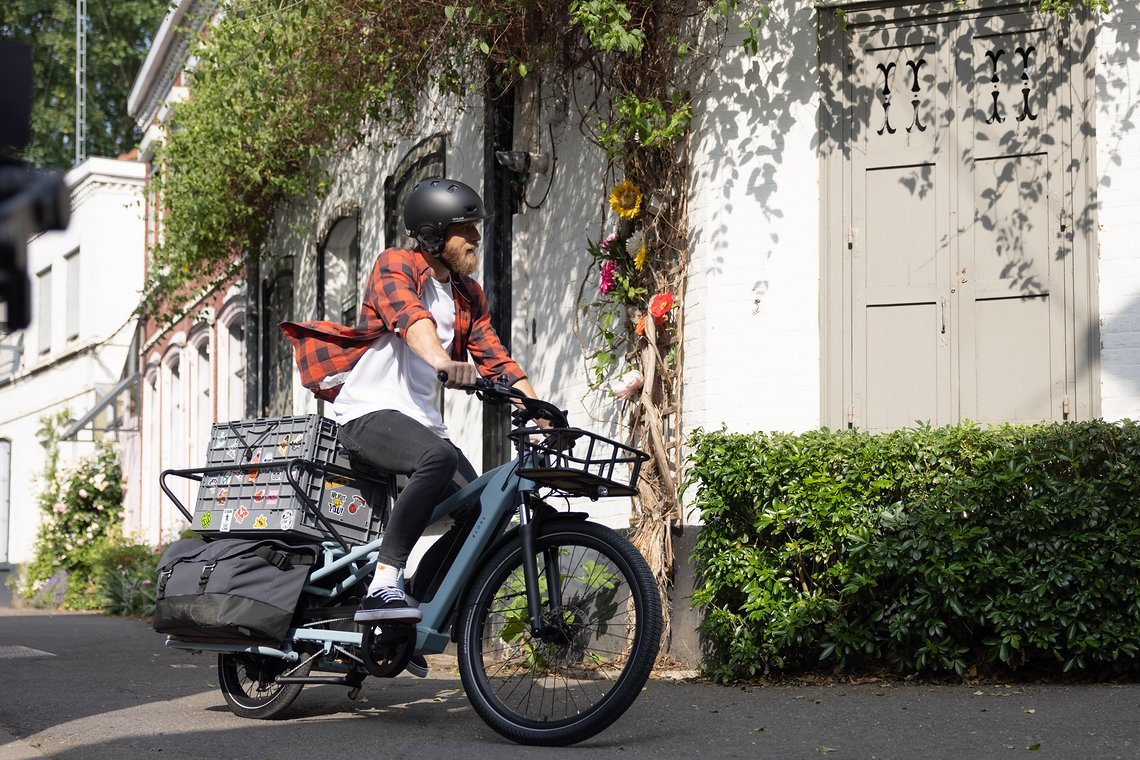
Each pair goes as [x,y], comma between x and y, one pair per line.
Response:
[435,203]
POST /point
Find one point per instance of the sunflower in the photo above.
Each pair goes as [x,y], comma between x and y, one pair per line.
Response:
[625,200]
[636,244]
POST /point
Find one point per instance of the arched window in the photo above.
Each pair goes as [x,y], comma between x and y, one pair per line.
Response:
[201,407]
[152,502]
[230,360]
[173,422]
[338,273]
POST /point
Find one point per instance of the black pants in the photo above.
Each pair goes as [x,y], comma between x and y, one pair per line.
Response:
[436,468]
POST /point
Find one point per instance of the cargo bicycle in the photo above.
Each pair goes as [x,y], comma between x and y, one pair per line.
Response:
[556,619]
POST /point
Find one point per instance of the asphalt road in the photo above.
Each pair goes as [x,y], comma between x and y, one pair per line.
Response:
[79,686]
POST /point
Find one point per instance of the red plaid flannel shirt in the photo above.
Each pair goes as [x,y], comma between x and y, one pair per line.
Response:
[327,351]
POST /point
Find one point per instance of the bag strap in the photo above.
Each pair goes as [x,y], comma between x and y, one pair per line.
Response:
[247,451]
[283,560]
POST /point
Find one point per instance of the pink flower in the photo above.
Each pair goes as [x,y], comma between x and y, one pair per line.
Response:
[608,241]
[607,283]
[628,384]
[60,509]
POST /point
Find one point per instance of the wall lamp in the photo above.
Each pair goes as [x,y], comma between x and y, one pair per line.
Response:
[522,162]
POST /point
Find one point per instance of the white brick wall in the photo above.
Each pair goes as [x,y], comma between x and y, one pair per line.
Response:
[1118,189]
[752,328]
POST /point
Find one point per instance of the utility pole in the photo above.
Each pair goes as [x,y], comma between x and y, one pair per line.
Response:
[80,81]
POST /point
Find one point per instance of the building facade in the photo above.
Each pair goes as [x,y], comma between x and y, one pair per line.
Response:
[898,213]
[75,356]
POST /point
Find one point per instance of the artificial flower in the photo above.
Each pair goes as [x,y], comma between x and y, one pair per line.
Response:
[636,244]
[660,305]
[625,200]
[606,285]
[628,384]
[608,241]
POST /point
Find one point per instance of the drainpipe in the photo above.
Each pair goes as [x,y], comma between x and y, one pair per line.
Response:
[499,199]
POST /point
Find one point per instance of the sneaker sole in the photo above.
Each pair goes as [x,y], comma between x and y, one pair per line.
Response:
[371,616]
[417,669]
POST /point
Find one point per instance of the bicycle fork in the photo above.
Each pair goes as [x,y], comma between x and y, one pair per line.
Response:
[528,528]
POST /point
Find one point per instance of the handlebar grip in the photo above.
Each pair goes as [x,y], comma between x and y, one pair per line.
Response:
[442,376]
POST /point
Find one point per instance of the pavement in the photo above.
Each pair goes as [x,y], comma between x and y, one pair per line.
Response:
[84,686]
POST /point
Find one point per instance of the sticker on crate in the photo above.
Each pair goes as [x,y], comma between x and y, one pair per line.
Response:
[273,476]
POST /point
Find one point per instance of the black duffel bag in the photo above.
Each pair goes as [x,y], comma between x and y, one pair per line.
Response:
[234,589]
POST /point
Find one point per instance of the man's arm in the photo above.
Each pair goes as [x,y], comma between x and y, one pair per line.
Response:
[424,341]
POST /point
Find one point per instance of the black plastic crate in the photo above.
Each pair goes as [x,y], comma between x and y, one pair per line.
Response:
[256,498]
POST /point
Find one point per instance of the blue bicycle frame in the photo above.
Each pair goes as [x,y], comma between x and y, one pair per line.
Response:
[500,497]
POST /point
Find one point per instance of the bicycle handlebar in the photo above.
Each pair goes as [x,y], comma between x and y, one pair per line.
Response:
[492,392]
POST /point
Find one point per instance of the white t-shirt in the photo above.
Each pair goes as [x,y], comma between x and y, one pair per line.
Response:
[391,376]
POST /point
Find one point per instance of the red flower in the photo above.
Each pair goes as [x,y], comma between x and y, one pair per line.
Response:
[660,305]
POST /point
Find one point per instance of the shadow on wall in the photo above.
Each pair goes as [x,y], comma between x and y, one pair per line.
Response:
[551,261]
[754,103]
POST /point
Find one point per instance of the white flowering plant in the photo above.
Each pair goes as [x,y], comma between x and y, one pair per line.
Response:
[80,524]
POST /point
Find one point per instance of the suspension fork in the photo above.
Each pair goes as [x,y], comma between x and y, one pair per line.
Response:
[529,523]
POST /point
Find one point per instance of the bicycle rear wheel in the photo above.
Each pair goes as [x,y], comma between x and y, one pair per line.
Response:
[585,666]
[247,683]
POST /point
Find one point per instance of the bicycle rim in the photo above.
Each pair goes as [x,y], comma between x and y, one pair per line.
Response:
[570,682]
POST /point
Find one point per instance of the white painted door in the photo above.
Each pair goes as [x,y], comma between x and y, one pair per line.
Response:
[957,272]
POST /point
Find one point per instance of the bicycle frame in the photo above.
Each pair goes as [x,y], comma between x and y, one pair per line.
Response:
[500,495]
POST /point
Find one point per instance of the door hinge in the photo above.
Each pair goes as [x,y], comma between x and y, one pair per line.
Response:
[1065,408]
[1063,218]
[850,239]
[851,417]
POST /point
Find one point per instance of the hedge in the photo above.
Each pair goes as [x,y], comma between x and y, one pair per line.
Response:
[923,550]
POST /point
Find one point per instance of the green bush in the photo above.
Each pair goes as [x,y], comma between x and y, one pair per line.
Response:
[925,550]
[124,578]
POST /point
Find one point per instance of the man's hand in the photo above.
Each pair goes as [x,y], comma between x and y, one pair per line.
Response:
[458,373]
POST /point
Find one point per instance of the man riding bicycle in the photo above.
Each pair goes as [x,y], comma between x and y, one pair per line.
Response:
[422,314]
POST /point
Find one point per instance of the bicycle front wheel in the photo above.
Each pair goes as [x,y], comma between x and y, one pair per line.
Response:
[585,665]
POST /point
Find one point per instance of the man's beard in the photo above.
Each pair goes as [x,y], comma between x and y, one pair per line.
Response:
[463,264]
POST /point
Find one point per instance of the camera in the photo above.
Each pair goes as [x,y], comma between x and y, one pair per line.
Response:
[31,200]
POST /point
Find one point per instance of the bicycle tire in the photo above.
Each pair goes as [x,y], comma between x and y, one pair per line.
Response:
[600,655]
[246,682]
